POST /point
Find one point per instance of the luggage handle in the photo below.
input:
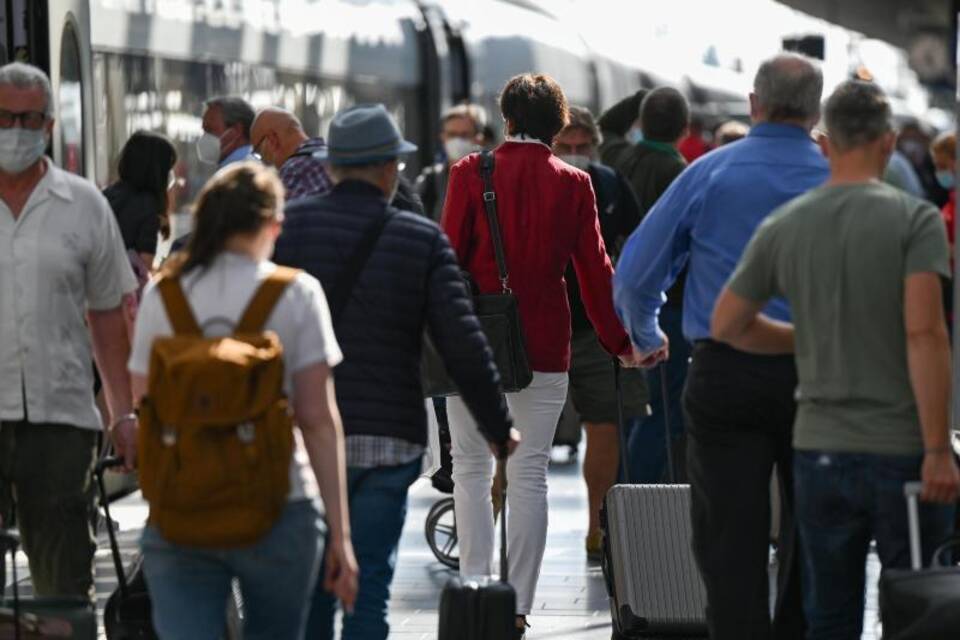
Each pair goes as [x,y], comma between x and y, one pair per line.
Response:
[11,541]
[621,431]
[912,492]
[504,565]
[102,466]
[665,399]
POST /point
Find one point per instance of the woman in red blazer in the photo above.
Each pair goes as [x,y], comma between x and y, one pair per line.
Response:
[548,217]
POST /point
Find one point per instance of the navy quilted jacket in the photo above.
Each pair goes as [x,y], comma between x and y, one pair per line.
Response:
[411,281]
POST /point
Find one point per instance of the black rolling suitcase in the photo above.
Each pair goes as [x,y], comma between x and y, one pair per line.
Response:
[652,579]
[918,603]
[127,615]
[482,608]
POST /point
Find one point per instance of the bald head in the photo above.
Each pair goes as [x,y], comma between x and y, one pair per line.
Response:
[787,89]
[275,135]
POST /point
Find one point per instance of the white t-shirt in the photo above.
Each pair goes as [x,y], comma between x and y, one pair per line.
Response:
[218,296]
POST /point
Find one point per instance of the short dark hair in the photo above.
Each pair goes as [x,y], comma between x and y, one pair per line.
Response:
[235,110]
[857,114]
[664,115]
[535,106]
[581,118]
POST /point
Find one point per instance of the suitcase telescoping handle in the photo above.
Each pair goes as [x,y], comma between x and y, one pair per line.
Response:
[621,427]
[10,541]
[111,462]
[504,565]
[665,399]
[912,491]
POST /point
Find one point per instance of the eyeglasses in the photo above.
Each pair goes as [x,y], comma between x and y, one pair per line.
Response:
[256,148]
[27,119]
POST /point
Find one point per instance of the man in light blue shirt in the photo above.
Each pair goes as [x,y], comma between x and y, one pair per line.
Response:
[739,407]
[227,121]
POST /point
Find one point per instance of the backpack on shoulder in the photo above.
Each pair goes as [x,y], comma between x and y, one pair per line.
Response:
[216,436]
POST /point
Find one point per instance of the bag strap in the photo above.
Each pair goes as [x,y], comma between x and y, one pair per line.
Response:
[493,220]
[265,299]
[339,294]
[178,309]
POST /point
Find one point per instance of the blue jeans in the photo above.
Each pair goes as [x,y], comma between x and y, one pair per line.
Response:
[189,586]
[646,446]
[378,509]
[843,501]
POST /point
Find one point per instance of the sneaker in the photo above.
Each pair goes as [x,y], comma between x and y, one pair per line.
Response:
[594,544]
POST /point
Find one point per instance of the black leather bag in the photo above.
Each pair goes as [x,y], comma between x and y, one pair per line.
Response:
[499,315]
[921,604]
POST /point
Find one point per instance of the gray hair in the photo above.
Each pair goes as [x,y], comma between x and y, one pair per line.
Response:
[789,86]
[581,118]
[857,114]
[472,112]
[25,76]
[235,110]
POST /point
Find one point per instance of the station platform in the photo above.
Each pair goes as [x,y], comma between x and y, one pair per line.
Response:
[571,599]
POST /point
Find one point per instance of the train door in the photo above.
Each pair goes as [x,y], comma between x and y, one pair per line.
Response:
[435,74]
[23,32]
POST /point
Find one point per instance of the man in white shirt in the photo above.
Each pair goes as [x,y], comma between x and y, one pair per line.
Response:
[63,274]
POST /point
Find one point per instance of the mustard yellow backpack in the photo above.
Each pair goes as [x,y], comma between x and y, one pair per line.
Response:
[216,436]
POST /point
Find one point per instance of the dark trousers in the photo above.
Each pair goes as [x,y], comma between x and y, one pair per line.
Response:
[843,501]
[739,417]
[45,476]
[378,509]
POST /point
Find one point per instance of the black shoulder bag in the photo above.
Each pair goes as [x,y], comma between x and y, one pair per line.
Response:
[339,294]
[499,316]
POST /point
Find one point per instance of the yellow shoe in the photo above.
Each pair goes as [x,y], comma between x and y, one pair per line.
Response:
[594,544]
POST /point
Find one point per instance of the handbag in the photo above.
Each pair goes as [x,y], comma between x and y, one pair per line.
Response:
[921,604]
[498,313]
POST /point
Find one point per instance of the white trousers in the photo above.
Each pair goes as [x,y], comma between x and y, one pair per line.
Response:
[535,411]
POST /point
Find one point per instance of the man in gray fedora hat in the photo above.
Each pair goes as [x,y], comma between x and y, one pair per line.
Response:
[388,274]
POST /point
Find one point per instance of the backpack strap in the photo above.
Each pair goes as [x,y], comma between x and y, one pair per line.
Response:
[265,299]
[178,309]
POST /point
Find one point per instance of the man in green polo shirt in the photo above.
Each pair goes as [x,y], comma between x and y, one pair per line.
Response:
[860,264]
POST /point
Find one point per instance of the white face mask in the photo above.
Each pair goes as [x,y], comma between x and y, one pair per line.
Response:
[20,148]
[578,161]
[458,148]
[208,148]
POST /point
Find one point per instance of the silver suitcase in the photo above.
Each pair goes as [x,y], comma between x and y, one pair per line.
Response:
[652,579]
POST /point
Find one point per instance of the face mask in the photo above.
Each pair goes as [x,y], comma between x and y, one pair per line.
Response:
[208,148]
[635,136]
[21,148]
[578,161]
[946,179]
[458,148]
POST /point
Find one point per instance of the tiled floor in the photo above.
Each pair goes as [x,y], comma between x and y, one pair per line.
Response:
[571,599]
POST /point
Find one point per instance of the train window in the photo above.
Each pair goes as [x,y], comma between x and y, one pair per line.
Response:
[70,100]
